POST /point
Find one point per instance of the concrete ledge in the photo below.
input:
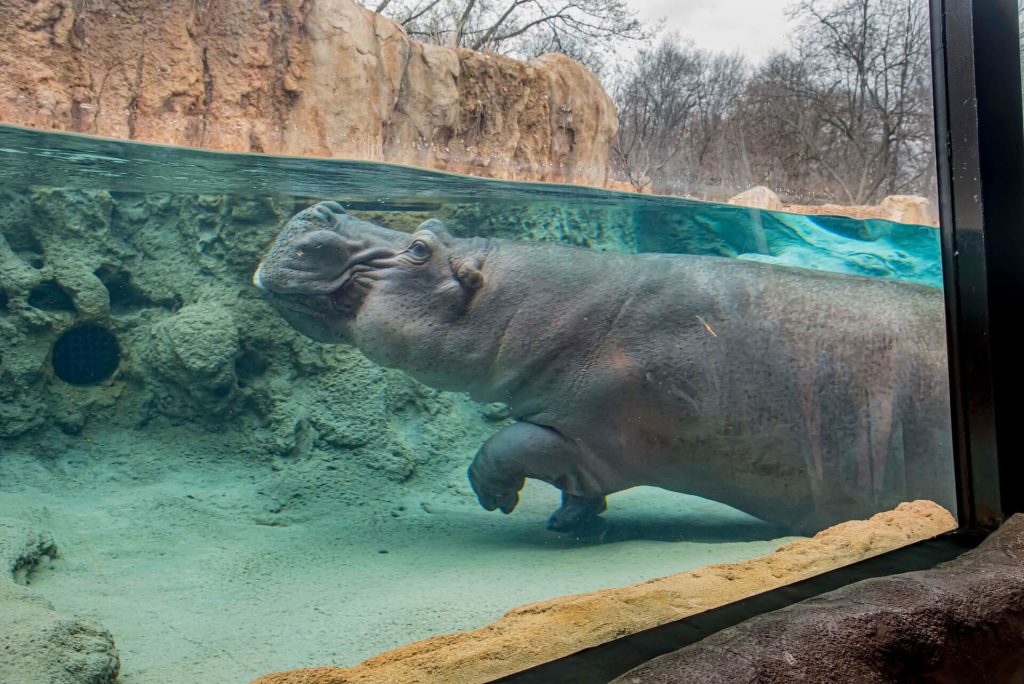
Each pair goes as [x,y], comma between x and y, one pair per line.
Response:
[962,621]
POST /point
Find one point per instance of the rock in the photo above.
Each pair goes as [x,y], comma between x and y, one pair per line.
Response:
[193,353]
[320,77]
[758,197]
[896,208]
[961,621]
[22,549]
[39,644]
[908,209]
[574,102]
[201,343]
[540,632]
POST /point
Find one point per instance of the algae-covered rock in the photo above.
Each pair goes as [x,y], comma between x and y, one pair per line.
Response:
[38,643]
[42,645]
[194,352]
[169,276]
[22,549]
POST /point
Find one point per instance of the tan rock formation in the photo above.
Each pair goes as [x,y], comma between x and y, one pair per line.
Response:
[898,208]
[758,197]
[909,209]
[305,77]
[546,630]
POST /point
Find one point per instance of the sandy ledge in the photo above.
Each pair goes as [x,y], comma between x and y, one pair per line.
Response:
[542,631]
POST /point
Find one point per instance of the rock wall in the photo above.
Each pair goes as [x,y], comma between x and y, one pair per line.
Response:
[169,276]
[299,77]
[962,621]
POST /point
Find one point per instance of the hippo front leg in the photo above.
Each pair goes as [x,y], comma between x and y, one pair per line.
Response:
[527,450]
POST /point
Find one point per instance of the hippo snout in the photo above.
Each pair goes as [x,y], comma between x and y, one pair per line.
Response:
[318,247]
[311,263]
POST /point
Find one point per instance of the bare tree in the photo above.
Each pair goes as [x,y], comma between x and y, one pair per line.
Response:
[712,140]
[674,106]
[777,132]
[864,82]
[585,29]
[845,115]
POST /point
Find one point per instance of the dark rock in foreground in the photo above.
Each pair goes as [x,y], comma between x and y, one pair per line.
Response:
[962,621]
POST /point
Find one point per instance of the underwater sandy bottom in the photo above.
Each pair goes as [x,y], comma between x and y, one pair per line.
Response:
[166,542]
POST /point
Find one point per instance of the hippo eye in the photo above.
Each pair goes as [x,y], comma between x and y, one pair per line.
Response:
[419,249]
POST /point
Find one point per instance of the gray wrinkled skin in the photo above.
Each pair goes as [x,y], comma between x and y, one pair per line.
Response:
[802,398]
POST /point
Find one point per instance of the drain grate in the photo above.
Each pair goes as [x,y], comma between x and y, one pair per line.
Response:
[85,355]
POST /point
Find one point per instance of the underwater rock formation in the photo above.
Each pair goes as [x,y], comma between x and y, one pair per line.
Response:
[168,276]
[540,632]
[39,644]
[321,77]
[961,621]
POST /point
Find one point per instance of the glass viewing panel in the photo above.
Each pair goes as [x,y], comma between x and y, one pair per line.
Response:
[244,392]
[191,451]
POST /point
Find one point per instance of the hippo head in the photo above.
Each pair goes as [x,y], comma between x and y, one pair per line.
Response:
[336,279]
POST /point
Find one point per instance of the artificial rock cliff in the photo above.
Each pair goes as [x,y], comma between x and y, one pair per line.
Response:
[301,77]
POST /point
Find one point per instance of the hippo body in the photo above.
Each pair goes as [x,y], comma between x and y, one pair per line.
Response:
[803,398]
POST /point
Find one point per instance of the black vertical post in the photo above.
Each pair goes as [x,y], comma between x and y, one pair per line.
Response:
[980,143]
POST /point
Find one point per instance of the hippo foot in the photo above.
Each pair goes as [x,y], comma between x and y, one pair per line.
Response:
[516,452]
[495,490]
[577,513]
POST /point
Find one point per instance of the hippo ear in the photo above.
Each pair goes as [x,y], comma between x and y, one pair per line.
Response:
[437,227]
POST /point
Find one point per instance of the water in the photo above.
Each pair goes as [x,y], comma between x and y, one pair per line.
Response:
[645,223]
[237,499]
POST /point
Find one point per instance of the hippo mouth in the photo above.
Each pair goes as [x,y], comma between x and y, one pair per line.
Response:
[324,262]
[349,294]
[314,297]
[323,317]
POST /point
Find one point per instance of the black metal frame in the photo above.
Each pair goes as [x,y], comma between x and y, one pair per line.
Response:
[979,142]
[979,134]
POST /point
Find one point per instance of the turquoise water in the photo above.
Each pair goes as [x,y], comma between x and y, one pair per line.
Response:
[649,224]
[227,497]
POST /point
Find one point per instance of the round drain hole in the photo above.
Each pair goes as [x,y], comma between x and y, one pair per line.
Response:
[85,355]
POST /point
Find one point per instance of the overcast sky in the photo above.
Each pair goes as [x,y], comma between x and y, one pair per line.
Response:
[754,27]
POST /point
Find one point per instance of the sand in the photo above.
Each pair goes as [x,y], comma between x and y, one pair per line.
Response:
[163,538]
[546,630]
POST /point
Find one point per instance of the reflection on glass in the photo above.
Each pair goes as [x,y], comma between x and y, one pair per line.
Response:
[287,461]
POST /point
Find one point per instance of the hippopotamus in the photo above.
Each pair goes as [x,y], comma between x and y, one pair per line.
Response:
[801,397]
